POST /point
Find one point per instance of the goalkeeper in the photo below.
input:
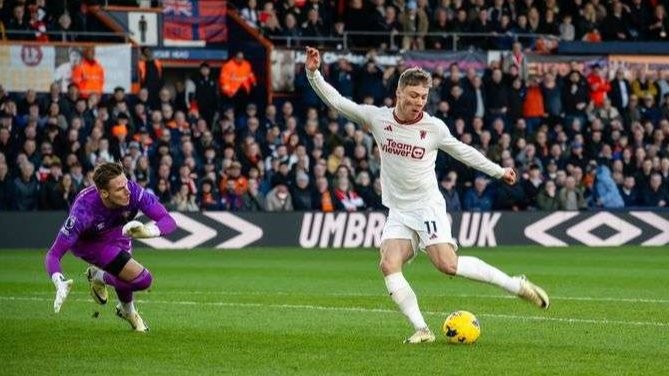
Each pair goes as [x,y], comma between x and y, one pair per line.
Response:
[99,229]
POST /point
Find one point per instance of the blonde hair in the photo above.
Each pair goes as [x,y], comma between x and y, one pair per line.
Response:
[415,76]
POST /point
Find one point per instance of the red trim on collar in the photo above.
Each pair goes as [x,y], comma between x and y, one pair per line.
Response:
[410,122]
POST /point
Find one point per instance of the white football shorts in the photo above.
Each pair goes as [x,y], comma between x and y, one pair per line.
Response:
[424,227]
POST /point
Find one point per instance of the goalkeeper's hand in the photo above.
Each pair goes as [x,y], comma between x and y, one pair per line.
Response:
[137,229]
[63,287]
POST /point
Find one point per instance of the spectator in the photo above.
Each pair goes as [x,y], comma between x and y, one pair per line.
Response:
[571,195]
[346,196]
[6,186]
[415,24]
[26,188]
[449,192]
[629,192]
[302,194]
[17,27]
[606,191]
[208,197]
[206,94]
[253,199]
[599,86]
[621,90]
[184,200]
[150,73]
[478,197]
[658,29]
[89,75]
[237,80]
[63,196]
[655,195]
[279,200]
[547,199]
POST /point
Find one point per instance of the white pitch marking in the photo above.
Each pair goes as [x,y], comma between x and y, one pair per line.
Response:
[355,294]
[569,320]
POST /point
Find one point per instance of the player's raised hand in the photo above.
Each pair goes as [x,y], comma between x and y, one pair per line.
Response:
[509,176]
[63,287]
[313,62]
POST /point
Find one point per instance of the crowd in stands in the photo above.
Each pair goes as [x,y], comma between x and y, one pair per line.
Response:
[54,21]
[416,24]
[578,140]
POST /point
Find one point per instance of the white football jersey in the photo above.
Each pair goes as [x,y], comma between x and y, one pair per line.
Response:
[408,150]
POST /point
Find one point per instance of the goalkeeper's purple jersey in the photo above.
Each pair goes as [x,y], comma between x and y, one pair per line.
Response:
[93,232]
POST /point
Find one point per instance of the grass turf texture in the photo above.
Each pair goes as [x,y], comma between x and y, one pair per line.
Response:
[286,311]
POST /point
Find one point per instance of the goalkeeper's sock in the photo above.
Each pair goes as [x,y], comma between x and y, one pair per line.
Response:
[141,282]
[405,298]
[124,296]
[476,269]
[129,307]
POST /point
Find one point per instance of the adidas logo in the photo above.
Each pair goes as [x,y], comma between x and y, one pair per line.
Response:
[389,128]
[434,236]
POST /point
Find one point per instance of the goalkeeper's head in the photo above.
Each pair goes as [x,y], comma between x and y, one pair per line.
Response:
[112,184]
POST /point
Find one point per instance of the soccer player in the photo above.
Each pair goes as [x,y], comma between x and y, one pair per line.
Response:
[409,140]
[99,229]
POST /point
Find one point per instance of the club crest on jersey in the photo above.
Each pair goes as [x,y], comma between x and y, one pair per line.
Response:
[423,134]
[403,149]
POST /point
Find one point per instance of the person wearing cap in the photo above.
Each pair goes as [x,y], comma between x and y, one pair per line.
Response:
[206,93]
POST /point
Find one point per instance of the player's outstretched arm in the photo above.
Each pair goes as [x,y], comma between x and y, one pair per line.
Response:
[60,246]
[149,205]
[473,158]
[355,112]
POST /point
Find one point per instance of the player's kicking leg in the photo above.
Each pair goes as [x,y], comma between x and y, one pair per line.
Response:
[443,256]
[394,253]
[126,276]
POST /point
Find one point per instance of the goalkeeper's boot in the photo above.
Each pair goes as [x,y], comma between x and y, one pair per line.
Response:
[533,293]
[422,335]
[134,319]
[98,288]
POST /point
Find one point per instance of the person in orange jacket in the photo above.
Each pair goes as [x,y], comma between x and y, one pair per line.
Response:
[237,80]
[89,75]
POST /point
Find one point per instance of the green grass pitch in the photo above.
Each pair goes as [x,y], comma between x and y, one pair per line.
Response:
[290,311]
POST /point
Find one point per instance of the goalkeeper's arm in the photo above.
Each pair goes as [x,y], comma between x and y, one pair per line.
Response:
[54,269]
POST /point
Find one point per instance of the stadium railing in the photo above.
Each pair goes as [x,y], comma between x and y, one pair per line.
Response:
[458,41]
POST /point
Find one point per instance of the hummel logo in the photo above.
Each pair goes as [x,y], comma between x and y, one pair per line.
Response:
[389,128]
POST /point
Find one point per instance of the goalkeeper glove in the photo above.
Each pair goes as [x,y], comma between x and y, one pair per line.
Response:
[137,229]
[63,287]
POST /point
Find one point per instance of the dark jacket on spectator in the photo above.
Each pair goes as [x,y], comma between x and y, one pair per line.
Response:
[26,194]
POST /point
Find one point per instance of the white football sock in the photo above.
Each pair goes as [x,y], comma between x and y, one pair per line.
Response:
[403,295]
[128,308]
[474,268]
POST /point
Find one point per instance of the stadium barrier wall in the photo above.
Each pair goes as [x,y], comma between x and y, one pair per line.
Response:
[352,230]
